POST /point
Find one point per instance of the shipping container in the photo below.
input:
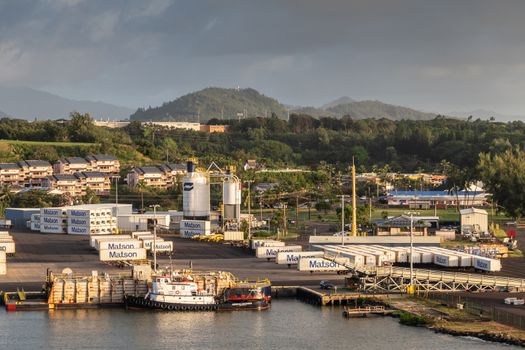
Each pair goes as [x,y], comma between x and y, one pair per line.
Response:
[352,257]
[54,212]
[80,230]
[142,222]
[195,225]
[47,228]
[319,265]
[270,252]
[2,256]
[136,234]
[121,244]
[162,246]
[192,233]
[234,236]
[272,244]
[446,260]
[53,220]
[122,254]
[8,246]
[3,269]
[96,240]
[20,216]
[486,264]
[292,258]
[35,226]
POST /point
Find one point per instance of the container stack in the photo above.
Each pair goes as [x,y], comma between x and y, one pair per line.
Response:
[53,220]
[3,263]
[7,244]
[90,221]
[190,228]
[34,223]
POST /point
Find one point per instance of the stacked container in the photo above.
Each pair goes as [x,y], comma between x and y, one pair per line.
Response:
[190,228]
[3,263]
[7,244]
[89,221]
[34,223]
[53,220]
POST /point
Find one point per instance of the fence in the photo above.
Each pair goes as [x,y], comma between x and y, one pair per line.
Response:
[486,311]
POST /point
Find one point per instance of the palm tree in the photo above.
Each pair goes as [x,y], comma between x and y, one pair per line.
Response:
[5,198]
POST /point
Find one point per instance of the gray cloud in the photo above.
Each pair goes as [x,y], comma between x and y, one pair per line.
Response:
[436,55]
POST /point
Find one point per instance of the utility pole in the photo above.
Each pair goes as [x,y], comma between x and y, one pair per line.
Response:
[342,219]
[249,182]
[411,251]
[154,248]
[285,221]
[116,177]
[369,209]
[354,202]
[297,211]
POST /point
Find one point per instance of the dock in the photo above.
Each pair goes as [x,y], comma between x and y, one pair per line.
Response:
[365,311]
[337,297]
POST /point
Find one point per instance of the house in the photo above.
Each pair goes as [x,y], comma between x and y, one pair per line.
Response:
[400,225]
[214,128]
[149,176]
[10,174]
[71,165]
[34,171]
[250,164]
[96,181]
[104,163]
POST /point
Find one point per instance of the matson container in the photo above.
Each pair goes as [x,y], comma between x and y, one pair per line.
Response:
[79,230]
[140,233]
[99,239]
[486,264]
[446,260]
[35,226]
[292,258]
[47,228]
[2,257]
[161,246]
[3,269]
[8,246]
[122,254]
[53,212]
[319,264]
[191,233]
[120,244]
[234,236]
[271,252]
[195,225]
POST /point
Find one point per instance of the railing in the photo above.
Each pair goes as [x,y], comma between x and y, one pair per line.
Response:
[474,307]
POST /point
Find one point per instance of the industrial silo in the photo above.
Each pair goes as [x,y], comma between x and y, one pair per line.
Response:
[196,194]
[231,198]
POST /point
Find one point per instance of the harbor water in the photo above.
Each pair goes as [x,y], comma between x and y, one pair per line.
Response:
[288,325]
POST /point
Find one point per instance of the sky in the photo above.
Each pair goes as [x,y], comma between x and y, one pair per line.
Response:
[438,56]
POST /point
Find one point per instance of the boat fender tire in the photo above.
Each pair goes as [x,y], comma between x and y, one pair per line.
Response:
[183,308]
[175,307]
[170,307]
[202,308]
[190,308]
[163,306]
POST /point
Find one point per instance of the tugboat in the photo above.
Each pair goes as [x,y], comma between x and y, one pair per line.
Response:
[246,296]
[174,293]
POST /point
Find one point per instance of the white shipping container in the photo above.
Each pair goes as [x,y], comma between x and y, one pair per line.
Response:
[292,258]
[353,258]
[2,256]
[486,264]
[120,244]
[162,246]
[319,264]
[270,252]
[99,239]
[426,256]
[53,220]
[122,254]
[53,211]
[3,269]
[272,244]
[35,226]
[446,260]
[195,225]
[191,233]
[148,243]
[79,230]
[47,228]
[8,246]
[140,233]
[234,236]
[255,243]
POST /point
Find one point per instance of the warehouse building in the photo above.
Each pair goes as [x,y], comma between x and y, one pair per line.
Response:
[439,199]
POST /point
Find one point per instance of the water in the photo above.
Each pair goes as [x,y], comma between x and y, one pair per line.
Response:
[288,325]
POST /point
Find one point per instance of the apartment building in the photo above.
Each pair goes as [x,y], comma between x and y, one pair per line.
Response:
[33,172]
[71,165]
[164,176]
[10,174]
[104,163]
[96,181]
[65,183]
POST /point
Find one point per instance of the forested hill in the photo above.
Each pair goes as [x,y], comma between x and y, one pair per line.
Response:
[212,103]
[378,110]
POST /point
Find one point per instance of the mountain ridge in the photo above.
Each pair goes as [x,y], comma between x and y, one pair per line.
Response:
[28,103]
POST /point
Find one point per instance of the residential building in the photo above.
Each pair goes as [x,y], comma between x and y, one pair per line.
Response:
[34,171]
[10,174]
[250,164]
[66,183]
[173,173]
[95,180]
[214,128]
[104,163]
[71,165]
[149,176]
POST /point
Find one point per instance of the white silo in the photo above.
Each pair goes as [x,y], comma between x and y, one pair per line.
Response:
[231,197]
[196,194]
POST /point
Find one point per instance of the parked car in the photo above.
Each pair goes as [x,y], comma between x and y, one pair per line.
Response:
[326,285]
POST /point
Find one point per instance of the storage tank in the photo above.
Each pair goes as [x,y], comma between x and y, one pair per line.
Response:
[231,197]
[196,194]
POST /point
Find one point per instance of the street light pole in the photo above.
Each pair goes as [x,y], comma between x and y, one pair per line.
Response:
[249,182]
[342,219]
[411,251]
[154,206]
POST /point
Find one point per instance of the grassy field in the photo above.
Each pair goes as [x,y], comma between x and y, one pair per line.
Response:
[47,143]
